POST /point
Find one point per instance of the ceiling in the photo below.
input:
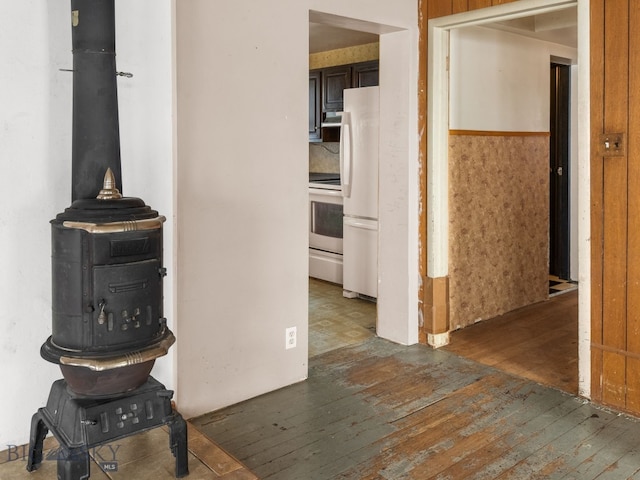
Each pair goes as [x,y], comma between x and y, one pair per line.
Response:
[324,37]
[557,27]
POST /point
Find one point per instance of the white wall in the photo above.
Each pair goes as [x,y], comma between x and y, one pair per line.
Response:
[496,75]
[242,207]
[242,72]
[144,48]
[238,173]
[35,165]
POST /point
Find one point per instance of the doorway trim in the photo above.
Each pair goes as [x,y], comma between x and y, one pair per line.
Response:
[438,140]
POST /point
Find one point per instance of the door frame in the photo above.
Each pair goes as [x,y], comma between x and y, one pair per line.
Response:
[438,141]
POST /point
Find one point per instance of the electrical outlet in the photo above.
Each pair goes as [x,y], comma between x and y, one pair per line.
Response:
[291,338]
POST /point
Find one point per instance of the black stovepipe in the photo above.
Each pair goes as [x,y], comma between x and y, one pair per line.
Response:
[95,136]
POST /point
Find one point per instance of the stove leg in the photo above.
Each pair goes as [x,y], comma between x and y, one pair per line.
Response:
[73,464]
[36,439]
[178,444]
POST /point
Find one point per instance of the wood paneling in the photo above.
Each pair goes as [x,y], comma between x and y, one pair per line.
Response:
[615,215]
[495,133]
[476,4]
[425,321]
[633,272]
[616,46]
[460,6]
[597,191]
[439,8]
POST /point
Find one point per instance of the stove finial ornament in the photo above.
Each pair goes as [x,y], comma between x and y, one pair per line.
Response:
[109,190]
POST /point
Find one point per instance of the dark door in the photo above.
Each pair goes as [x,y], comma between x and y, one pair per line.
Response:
[559,171]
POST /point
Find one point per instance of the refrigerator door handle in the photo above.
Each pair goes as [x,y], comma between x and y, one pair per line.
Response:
[357,224]
[346,161]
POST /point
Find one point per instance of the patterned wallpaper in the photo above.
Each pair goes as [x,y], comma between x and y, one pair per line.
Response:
[499,225]
[344,56]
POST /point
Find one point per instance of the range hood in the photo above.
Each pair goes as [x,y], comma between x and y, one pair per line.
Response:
[332,120]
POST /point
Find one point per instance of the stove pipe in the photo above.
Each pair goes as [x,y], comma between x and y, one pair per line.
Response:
[96,137]
[108,326]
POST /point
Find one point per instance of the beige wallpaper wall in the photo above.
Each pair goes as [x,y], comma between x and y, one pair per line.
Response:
[344,56]
[499,224]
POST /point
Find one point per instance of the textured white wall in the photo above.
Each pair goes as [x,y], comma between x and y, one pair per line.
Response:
[237,298]
[35,165]
[242,73]
[242,199]
[496,76]
[144,48]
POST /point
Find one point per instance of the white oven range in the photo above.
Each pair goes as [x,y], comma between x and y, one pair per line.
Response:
[325,232]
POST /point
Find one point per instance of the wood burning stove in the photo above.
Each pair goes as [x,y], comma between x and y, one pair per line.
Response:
[108,325]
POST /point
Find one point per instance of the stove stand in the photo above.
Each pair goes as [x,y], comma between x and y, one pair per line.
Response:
[81,423]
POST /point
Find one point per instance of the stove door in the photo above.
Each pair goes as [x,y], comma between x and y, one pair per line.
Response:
[128,299]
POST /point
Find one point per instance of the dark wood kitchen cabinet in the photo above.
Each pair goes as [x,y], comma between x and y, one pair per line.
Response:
[365,74]
[326,93]
[315,105]
[334,81]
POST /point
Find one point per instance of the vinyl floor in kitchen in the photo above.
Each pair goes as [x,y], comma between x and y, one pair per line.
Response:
[335,321]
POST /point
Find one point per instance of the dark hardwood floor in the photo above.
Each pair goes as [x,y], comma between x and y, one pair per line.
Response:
[378,410]
[538,342]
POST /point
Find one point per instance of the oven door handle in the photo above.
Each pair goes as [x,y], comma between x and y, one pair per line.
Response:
[346,161]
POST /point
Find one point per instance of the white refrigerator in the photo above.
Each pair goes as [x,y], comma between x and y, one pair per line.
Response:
[359,135]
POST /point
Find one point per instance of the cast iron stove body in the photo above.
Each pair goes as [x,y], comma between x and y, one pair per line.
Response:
[108,325]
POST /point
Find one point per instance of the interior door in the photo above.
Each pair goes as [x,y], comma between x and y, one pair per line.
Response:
[559,171]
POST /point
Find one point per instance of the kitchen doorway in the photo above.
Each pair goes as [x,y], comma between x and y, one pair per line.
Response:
[339,58]
[505,17]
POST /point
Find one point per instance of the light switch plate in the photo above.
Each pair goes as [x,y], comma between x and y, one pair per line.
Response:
[613,144]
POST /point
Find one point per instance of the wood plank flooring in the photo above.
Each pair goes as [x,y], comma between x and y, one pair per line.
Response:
[538,342]
[145,456]
[378,410]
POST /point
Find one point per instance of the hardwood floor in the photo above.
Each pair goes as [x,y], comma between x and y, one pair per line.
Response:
[378,410]
[538,342]
[145,456]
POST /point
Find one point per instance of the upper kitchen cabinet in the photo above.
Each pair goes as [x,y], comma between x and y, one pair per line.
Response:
[365,74]
[315,106]
[334,81]
[326,87]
